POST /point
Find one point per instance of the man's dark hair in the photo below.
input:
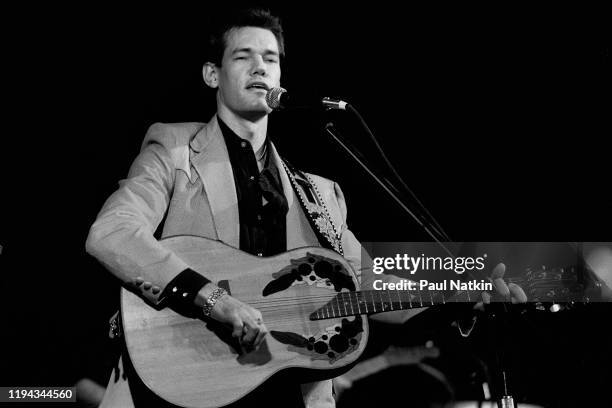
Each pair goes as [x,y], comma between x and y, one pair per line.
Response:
[243,18]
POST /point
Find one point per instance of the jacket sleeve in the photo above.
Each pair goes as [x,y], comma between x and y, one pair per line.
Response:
[122,236]
[361,262]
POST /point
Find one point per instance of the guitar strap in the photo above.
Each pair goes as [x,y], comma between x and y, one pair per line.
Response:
[314,208]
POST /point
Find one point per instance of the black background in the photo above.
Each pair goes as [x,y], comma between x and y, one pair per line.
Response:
[496,116]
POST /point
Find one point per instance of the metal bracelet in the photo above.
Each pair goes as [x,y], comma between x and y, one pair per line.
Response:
[212,300]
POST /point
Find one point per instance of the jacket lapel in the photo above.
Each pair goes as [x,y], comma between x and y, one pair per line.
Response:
[299,232]
[211,160]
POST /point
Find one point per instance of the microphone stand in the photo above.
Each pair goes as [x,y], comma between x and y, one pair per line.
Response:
[497,332]
[426,225]
[430,227]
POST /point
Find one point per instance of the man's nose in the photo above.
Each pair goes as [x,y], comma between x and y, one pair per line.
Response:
[259,66]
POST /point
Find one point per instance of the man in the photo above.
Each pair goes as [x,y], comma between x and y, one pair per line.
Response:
[222,180]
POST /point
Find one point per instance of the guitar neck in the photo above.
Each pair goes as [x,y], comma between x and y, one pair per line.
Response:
[376,301]
[554,285]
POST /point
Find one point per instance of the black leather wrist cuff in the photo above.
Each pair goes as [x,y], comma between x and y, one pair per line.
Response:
[181,291]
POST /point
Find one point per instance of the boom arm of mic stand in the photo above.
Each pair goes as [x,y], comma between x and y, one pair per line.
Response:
[333,132]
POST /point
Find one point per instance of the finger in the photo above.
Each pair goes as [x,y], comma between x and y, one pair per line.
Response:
[486,298]
[257,316]
[250,335]
[517,293]
[263,330]
[501,287]
[237,328]
[479,305]
[498,271]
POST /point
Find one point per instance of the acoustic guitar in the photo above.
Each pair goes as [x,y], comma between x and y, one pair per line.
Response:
[310,303]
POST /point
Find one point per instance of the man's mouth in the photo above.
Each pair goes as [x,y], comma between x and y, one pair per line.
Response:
[258,85]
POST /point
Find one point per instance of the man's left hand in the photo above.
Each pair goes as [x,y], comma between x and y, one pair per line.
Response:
[508,291]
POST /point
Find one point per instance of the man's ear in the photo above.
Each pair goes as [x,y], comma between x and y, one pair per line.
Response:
[210,75]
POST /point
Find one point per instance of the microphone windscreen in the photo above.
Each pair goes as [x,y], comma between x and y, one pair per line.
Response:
[273,97]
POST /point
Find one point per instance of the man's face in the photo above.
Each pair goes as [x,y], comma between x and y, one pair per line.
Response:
[250,67]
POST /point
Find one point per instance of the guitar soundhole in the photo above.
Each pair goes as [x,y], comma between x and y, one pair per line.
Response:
[304,269]
[339,343]
[312,269]
[333,343]
[320,347]
[323,269]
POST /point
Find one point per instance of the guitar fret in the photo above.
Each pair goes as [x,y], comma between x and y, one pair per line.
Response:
[351,303]
[399,298]
[409,300]
[373,304]
[390,301]
[344,304]
[357,300]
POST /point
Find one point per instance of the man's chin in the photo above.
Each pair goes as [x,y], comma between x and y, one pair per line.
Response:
[256,114]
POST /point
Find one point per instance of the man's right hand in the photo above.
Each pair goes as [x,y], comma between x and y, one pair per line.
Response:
[246,322]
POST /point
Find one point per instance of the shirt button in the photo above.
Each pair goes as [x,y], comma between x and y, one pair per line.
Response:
[259,254]
[252,178]
[243,144]
[258,217]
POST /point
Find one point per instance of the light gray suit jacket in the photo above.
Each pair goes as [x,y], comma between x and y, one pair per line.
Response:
[184,169]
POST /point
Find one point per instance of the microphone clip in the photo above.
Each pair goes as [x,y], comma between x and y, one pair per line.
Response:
[330,104]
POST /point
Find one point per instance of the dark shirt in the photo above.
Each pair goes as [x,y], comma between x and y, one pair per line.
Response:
[263,228]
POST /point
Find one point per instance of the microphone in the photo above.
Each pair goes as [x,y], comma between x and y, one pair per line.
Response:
[279,98]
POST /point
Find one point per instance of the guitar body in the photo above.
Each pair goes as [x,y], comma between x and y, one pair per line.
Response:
[196,363]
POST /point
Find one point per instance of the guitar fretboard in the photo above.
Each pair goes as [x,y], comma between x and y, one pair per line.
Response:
[376,301]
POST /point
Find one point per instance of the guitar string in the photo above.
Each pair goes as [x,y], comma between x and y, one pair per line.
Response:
[361,295]
[540,284]
[338,308]
[290,303]
[312,300]
[307,300]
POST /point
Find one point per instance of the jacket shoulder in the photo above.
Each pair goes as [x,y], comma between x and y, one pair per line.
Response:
[171,135]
